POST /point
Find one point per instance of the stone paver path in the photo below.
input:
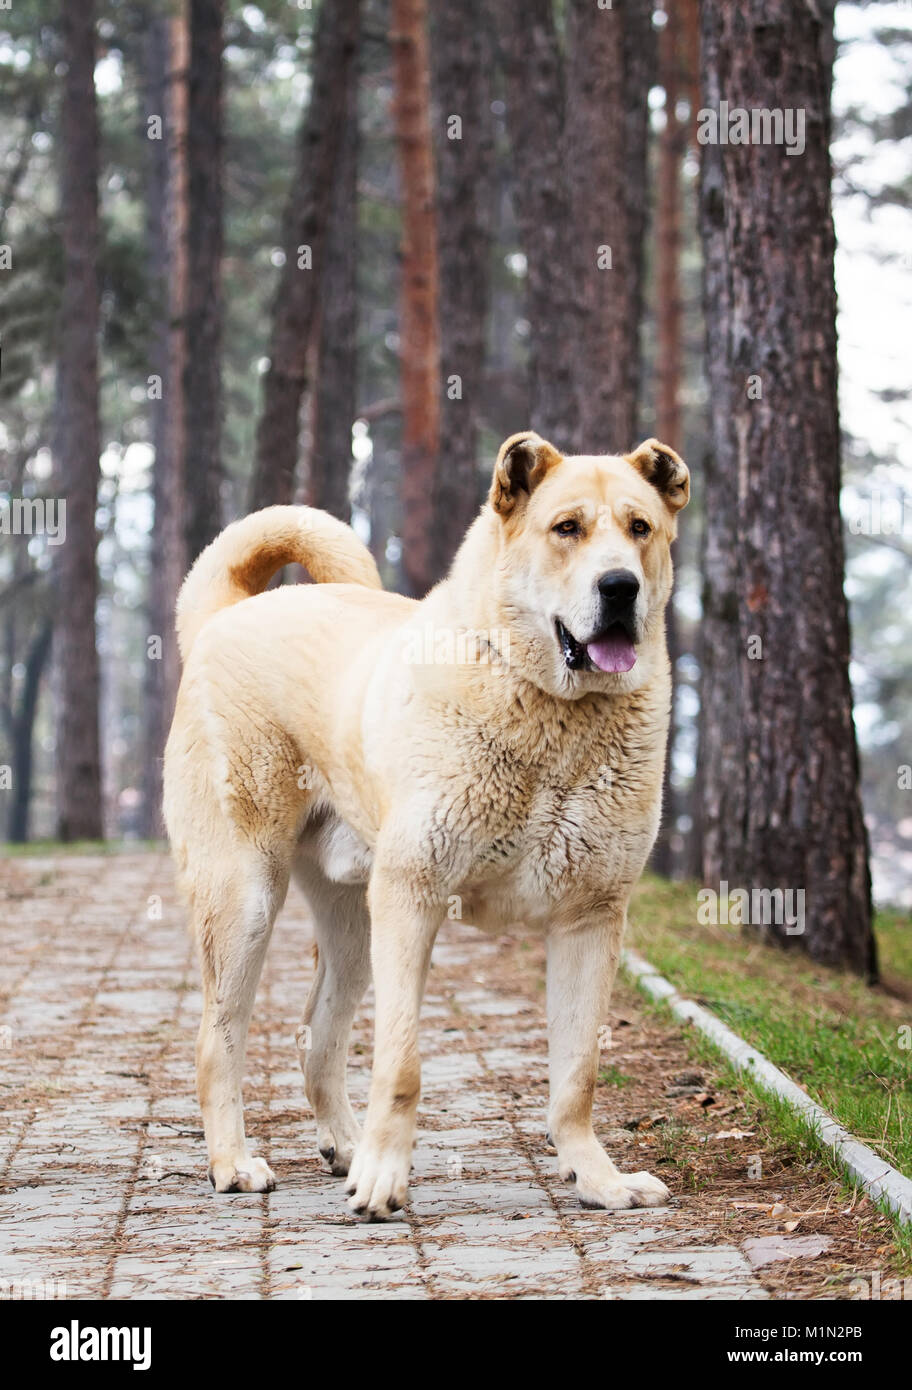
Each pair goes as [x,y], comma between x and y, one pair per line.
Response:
[102,1161]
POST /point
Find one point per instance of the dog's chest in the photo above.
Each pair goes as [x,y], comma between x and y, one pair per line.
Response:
[556,839]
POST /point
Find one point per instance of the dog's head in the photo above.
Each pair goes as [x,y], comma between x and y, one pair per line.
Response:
[585,572]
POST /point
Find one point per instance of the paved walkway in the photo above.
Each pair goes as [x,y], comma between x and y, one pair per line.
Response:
[102,1161]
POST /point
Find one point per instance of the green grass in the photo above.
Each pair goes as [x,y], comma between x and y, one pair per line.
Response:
[610,1076]
[894,940]
[838,1038]
[775,1118]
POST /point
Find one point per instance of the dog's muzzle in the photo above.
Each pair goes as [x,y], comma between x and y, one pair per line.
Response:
[612,648]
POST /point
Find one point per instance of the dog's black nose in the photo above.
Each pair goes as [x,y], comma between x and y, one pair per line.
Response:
[619,586]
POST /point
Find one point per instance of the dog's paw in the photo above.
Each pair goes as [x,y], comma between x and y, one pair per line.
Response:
[242,1175]
[622,1191]
[337,1144]
[378,1183]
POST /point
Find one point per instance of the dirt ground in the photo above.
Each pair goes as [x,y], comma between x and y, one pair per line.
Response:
[102,1162]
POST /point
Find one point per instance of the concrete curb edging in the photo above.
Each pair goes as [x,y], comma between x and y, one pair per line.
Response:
[875,1174]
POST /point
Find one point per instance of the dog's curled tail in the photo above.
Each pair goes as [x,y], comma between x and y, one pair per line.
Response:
[241,561]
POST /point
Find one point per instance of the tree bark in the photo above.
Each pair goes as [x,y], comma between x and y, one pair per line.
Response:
[166,65]
[79,786]
[202,368]
[23,729]
[640,61]
[419,327]
[781,799]
[688,25]
[609,69]
[534,80]
[336,387]
[18,717]
[723,782]
[461,59]
[672,145]
[669,353]
[306,216]
[690,862]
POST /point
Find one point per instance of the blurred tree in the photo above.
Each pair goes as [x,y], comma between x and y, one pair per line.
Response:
[419,324]
[21,731]
[29,304]
[873,182]
[304,240]
[674,79]
[375,481]
[579,144]
[672,146]
[610,67]
[723,795]
[463,124]
[79,793]
[530,58]
[27,628]
[781,796]
[336,389]
[203,366]
[166,57]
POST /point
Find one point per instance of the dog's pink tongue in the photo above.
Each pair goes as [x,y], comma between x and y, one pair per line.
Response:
[613,652]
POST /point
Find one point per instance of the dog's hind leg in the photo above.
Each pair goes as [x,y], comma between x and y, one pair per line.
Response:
[342,929]
[233,921]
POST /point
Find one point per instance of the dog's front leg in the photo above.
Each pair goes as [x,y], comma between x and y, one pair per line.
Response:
[402,936]
[582,962]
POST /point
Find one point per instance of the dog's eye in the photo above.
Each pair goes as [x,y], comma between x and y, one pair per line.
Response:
[640,527]
[568,527]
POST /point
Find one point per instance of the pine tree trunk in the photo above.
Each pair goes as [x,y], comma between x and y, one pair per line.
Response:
[724,773]
[691,803]
[640,59]
[336,386]
[419,328]
[688,25]
[166,64]
[304,238]
[672,144]
[79,786]
[461,60]
[531,62]
[24,731]
[781,799]
[202,368]
[669,352]
[608,75]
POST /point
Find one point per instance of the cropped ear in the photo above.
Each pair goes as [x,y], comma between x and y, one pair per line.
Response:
[523,461]
[665,470]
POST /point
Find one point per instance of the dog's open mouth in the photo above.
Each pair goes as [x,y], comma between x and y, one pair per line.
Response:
[611,650]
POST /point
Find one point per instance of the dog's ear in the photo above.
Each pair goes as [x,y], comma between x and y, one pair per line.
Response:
[665,469]
[523,461]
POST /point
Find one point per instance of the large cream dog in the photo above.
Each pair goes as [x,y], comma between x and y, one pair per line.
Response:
[498,745]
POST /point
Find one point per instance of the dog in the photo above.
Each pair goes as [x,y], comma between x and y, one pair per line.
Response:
[499,743]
